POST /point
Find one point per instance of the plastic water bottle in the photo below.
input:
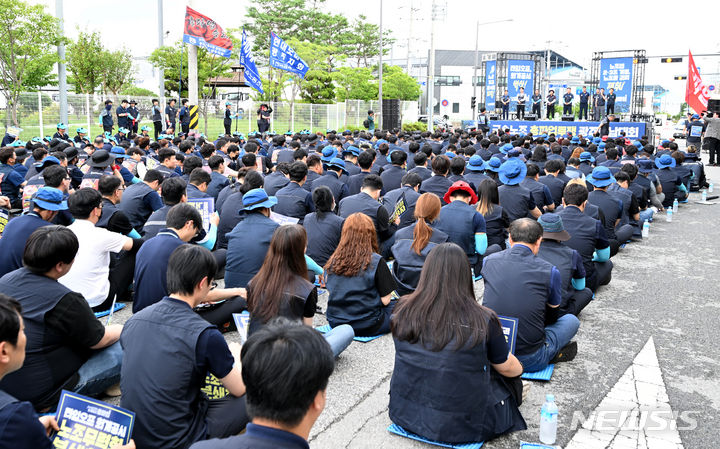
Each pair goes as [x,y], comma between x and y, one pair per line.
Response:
[548,420]
[710,188]
[646,230]
[704,195]
[675,206]
[668,218]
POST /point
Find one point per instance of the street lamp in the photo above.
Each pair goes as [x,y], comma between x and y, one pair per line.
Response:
[474,80]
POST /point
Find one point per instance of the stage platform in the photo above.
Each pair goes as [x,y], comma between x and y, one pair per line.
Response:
[633,130]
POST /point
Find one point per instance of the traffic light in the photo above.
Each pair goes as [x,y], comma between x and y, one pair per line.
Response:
[680,77]
[671,60]
[472,102]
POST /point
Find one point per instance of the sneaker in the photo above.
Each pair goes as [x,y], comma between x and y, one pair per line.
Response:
[566,354]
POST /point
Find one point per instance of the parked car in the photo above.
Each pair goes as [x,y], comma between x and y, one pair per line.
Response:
[680,132]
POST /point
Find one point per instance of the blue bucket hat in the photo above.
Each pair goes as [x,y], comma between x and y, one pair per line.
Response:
[505,148]
[81,131]
[553,228]
[601,147]
[336,162]
[575,139]
[645,165]
[61,126]
[257,198]
[512,171]
[476,163]
[118,152]
[355,151]
[50,198]
[597,140]
[328,153]
[601,177]
[695,117]
[493,164]
[586,156]
[665,161]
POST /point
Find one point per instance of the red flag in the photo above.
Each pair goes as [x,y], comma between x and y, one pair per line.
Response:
[696,93]
[204,32]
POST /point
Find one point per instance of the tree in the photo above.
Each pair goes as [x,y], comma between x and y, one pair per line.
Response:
[399,85]
[84,62]
[27,49]
[135,91]
[117,70]
[362,42]
[355,83]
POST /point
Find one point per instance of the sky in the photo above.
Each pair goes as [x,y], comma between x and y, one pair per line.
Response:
[572,28]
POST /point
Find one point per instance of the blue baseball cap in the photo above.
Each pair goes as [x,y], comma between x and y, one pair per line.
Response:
[257,198]
[380,141]
[575,139]
[118,152]
[145,128]
[644,165]
[513,153]
[665,161]
[355,151]
[601,177]
[695,117]
[61,126]
[476,163]
[553,228]
[586,156]
[597,140]
[493,164]
[50,160]
[328,153]
[227,103]
[81,131]
[601,147]
[512,171]
[50,198]
[638,144]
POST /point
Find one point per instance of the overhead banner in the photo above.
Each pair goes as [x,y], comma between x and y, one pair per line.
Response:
[203,32]
[632,130]
[617,73]
[490,84]
[252,77]
[520,74]
[696,92]
[284,58]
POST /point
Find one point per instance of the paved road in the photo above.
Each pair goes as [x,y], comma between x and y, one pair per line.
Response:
[663,287]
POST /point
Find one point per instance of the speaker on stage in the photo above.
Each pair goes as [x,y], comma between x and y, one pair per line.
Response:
[391,114]
[568,118]
[494,117]
[713,106]
[531,117]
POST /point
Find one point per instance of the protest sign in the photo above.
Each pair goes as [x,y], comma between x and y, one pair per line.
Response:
[285,58]
[400,208]
[204,32]
[206,207]
[242,322]
[509,328]
[617,73]
[283,219]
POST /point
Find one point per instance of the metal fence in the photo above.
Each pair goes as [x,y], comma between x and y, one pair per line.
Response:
[38,114]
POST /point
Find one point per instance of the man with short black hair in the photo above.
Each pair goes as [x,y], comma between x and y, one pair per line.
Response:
[408,191]
[168,351]
[168,162]
[552,181]
[420,162]
[277,179]
[68,348]
[365,161]
[438,184]
[540,192]
[392,174]
[521,285]
[113,218]
[10,180]
[293,200]
[198,185]
[141,200]
[173,192]
[218,180]
[283,411]
[331,179]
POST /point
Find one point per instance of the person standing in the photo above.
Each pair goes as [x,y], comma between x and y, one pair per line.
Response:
[611,101]
[156,115]
[170,114]
[567,102]
[227,120]
[520,108]
[106,119]
[584,97]
[551,102]
[599,105]
[185,117]
[505,102]
[133,117]
[263,120]
[536,102]
[122,114]
[371,122]
[696,129]
[712,137]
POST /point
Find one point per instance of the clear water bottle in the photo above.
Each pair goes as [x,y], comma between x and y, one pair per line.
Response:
[710,188]
[675,206]
[646,230]
[704,195]
[668,217]
[548,420]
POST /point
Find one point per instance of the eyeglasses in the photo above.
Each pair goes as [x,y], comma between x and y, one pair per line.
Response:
[120,189]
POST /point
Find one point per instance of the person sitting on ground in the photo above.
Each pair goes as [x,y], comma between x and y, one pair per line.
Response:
[354,182]
[90,273]
[141,200]
[232,212]
[611,207]
[173,192]
[392,174]
[359,282]
[183,223]
[553,181]
[112,217]
[277,179]
[517,200]
[11,181]
[420,169]
[68,347]
[540,192]
[168,351]
[441,324]
[331,179]
[218,180]
[408,192]
[575,296]
[496,219]
[587,236]
[521,285]
[293,200]
[282,411]
[414,243]
[438,184]
[281,288]
[323,227]
[198,184]
[168,163]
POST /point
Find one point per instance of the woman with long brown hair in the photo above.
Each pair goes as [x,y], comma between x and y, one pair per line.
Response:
[281,288]
[413,243]
[496,219]
[455,379]
[359,282]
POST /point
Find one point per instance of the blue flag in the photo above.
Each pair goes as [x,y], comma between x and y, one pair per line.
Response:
[252,77]
[284,58]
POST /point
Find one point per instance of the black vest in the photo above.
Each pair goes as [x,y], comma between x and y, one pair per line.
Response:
[436,184]
[391,198]
[363,203]
[155,222]
[561,257]
[160,381]
[496,226]
[408,264]
[323,235]
[582,229]
[611,208]
[391,177]
[331,181]
[516,201]
[355,300]
[668,179]
[291,201]
[292,307]
[133,205]
[456,220]
[109,209]
[248,244]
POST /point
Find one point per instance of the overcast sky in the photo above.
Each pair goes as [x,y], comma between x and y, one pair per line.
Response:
[575,29]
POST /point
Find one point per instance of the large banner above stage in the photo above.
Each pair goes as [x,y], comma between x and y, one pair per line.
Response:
[520,74]
[490,84]
[617,73]
[633,130]
[203,32]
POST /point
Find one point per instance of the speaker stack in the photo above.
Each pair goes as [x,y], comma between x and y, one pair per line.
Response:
[531,117]
[493,117]
[568,118]
[714,105]
[391,114]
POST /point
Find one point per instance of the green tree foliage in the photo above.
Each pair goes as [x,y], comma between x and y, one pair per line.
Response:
[28,36]
[135,91]
[399,85]
[355,83]
[117,70]
[84,62]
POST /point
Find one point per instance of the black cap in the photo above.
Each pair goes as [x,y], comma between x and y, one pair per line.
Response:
[100,159]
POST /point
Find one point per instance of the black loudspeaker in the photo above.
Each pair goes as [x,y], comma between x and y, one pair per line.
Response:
[714,106]
[493,117]
[568,118]
[531,117]
[616,119]
[391,114]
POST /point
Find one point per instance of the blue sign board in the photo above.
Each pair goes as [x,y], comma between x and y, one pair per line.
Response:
[633,130]
[520,74]
[617,73]
[91,424]
[509,327]
[252,76]
[490,84]
[285,58]
[206,207]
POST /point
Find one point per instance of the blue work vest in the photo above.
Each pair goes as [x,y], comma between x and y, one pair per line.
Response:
[408,264]
[363,203]
[456,220]
[391,177]
[133,205]
[355,300]
[391,198]
[437,185]
[561,256]
[496,226]
[248,244]
[109,209]
[583,236]
[668,179]
[611,208]
[331,181]
[323,235]
[292,201]
[516,201]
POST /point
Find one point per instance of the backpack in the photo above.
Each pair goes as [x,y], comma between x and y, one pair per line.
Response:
[366,124]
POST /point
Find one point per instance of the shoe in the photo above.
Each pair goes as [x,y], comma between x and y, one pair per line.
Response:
[566,354]
[113,391]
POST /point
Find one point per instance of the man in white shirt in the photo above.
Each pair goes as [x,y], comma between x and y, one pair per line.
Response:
[89,274]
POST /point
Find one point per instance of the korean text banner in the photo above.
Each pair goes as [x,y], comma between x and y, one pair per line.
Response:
[697,93]
[284,58]
[252,77]
[92,424]
[617,73]
[490,84]
[520,74]
[633,130]
[205,206]
[203,32]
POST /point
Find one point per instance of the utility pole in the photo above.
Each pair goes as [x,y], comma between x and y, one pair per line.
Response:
[379,115]
[161,72]
[474,78]
[412,10]
[431,71]
[192,70]
[62,75]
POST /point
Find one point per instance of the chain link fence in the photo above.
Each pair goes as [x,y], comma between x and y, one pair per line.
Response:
[39,113]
